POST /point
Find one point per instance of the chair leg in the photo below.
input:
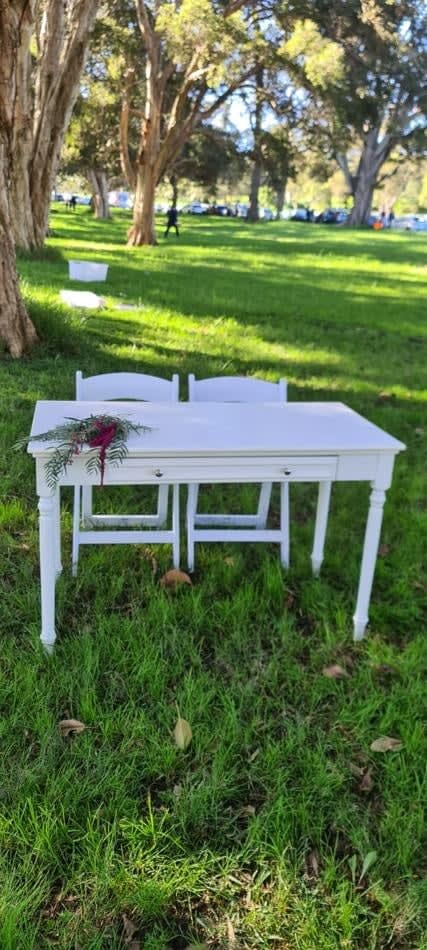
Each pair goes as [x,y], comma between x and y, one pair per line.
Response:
[76,530]
[162,507]
[263,505]
[175,526]
[193,492]
[86,503]
[321,525]
[284,523]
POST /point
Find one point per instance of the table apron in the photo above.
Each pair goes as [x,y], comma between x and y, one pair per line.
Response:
[168,470]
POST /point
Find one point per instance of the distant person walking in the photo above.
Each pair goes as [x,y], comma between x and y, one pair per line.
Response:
[73,202]
[391,217]
[172,221]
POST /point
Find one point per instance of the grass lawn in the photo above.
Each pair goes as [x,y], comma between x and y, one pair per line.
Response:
[278,827]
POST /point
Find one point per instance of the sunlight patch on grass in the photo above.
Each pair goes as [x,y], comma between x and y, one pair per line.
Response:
[261,827]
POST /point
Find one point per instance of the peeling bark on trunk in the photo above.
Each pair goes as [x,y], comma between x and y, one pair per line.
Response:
[42,116]
[143,229]
[17,332]
[98,182]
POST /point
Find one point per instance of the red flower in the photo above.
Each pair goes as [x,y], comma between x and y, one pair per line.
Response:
[104,435]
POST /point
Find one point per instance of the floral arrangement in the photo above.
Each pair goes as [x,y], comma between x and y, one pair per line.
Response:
[106,435]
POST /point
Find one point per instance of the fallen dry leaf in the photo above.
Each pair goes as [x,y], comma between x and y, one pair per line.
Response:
[334,672]
[419,431]
[383,550]
[230,560]
[366,783]
[254,755]
[248,810]
[182,734]
[129,927]
[175,578]
[68,726]
[313,863]
[231,934]
[289,600]
[385,669]
[386,744]
[148,555]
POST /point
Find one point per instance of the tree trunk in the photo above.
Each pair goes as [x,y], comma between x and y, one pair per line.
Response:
[253,210]
[280,198]
[361,210]
[174,182]
[99,187]
[375,151]
[143,229]
[42,116]
[17,333]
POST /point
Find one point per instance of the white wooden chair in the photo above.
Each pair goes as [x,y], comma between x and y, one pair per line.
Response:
[124,386]
[226,527]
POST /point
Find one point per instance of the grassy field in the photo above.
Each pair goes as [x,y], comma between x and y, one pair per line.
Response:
[278,827]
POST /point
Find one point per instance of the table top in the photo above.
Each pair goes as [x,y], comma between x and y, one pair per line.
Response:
[212,429]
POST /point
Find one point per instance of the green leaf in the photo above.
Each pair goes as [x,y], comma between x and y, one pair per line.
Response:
[353,864]
[367,863]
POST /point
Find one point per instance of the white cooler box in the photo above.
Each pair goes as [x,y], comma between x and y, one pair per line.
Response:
[87,270]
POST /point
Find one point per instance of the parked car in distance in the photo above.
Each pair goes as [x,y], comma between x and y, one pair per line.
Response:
[222,211]
[195,207]
[121,199]
[301,214]
[411,222]
[332,216]
[266,214]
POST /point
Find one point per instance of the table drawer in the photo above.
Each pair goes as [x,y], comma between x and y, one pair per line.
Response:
[239,469]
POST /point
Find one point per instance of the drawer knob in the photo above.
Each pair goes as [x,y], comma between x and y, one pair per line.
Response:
[287,471]
[158,473]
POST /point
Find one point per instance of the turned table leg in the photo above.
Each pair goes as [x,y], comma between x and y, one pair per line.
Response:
[48,510]
[370,550]
[321,525]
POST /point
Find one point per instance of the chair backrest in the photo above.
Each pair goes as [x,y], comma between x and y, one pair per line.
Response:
[127,386]
[235,389]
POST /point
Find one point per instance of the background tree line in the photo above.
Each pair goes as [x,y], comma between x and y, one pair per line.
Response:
[343,83]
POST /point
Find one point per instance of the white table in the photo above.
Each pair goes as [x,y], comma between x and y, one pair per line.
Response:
[225,442]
